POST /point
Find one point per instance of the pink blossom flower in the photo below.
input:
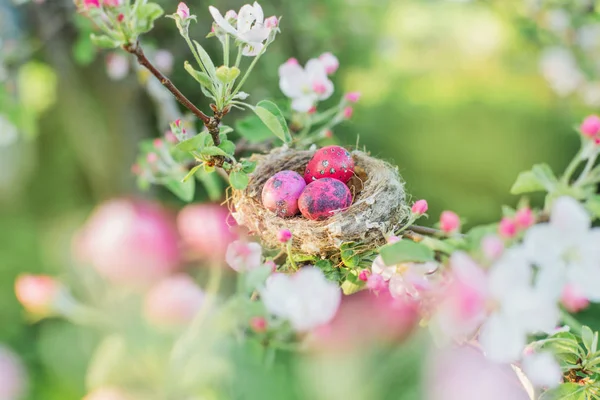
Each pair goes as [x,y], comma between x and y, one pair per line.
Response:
[330,62]
[91,3]
[243,256]
[449,222]
[348,111]
[319,88]
[157,143]
[13,377]
[183,11]
[272,22]
[205,230]
[312,110]
[37,293]
[231,14]
[173,302]
[305,86]
[151,158]
[492,247]
[170,137]
[112,3]
[284,236]
[376,282]
[364,275]
[507,228]
[420,207]
[590,127]
[353,97]
[258,324]
[134,243]
[524,218]
[573,300]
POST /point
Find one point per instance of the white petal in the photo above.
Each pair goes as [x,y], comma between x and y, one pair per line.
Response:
[328,90]
[467,271]
[544,244]
[222,22]
[245,18]
[303,103]
[501,339]
[542,370]
[569,216]
[316,70]
[252,49]
[256,34]
[379,267]
[510,273]
[258,13]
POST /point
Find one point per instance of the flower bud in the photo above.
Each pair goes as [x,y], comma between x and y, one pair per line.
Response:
[37,293]
[364,275]
[590,127]
[205,231]
[151,158]
[112,3]
[319,87]
[573,300]
[258,324]
[312,110]
[449,222]
[271,22]
[330,62]
[524,218]
[183,11]
[284,236]
[507,228]
[12,375]
[231,14]
[91,4]
[348,111]
[108,393]
[173,302]
[129,242]
[420,207]
[353,97]
[328,133]
[226,74]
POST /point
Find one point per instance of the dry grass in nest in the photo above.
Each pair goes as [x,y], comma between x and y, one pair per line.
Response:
[379,205]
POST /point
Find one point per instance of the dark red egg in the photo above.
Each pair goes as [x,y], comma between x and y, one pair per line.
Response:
[330,162]
[322,198]
[281,192]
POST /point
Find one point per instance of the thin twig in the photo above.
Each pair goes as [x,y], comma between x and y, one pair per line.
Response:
[137,51]
[423,230]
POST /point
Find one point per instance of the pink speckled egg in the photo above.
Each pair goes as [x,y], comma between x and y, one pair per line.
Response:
[281,192]
[330,162]
[321,198]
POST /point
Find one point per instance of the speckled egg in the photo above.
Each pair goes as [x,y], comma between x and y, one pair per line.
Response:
[322,197]
[330,162]
[281,192]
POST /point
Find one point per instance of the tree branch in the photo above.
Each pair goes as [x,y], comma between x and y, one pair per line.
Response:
[137,51]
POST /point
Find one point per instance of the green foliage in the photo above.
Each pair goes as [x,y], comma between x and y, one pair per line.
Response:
[405,251]
[239,180]
[199,76]
[180,188]
[271,116]
[331,272]
[252,129]
[104,41]
[146,14]
[539,178]
[206,60]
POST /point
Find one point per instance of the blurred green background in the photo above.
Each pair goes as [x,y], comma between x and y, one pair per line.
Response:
[451,93]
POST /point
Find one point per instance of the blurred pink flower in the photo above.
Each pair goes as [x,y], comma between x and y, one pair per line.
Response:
[573,300]
[353,97]
[163,60]
[183,11]
[91,3]
[117,66]
[243,256]
[330,62]
[507,228]
[258,324]
[465,374]
[449,222]
[348,111]
[492,247]
[205,231]
[173,302]
[524,218]
[112,3]
[108,393]
[590,126]
[37,293]
[13,379]
[420,207]
[272,22]
[129,242]
[284,236]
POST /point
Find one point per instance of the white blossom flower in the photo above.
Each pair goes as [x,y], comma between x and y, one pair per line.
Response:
[250,28]
[243,256]
[306,299]
[566,250]
[542,370]
[305,86]
[559,68]
[406,278]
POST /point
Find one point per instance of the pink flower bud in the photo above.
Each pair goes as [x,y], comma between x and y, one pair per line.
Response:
[271,22]
[37,293]
[91,3]
[590,127]
[231,14]
[12,375]
[353,97]
[573,300]
[258,324]
[319,87]
[328,133]
[393,239]
[173,302]
[376,282]
[492,247]
[284,236]
[120,17]
[108,393]
[524,218]
[507,228]
[292,61]
[177,123]
[129,242]
[163,60]
[364,275]
[449,222]
[112,3]
[205,230]
[170,137]
[183,11]
[420,207]
[330,62]
[157,143]
[348,111]
[312,110]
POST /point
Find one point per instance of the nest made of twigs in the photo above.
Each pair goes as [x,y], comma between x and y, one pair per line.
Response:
[378,207]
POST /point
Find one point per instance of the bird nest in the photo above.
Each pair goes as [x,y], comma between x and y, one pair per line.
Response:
[378,206]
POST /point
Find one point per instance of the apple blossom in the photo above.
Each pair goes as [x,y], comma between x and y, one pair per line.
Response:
[305,86]
[492,247]
[258,324]
[243,256]
[524,218]
[347,112]
[330,62]
[284,235]
[507,228]
[272,22]
[590,126]
[542,370]
[306,299]
[37,293]
[183,11]
[376,282]
[352,97]
[12,375]
[249,29]
[117,66]
[572,300]
[364,275]
[420,207]
[173,302]
[91,3]
[449,222]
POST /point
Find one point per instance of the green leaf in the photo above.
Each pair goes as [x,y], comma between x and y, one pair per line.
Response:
[593,205]
[212,183]
[256,278]
[587,337]
[540,178]
[566,391]
[206,60]
[405,251]
[330,271]
[104,42]
[349,287]
[238,180]
[199,76]
[146,14]
[84,51]
[213,151]
[224,129]
[192,172]
[197,143]
[350,258]
[271,116]
[228,147]
[183,190]
[252,129]
[248,167]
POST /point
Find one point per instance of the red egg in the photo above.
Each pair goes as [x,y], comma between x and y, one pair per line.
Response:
[330,162]
[321,198]
[281,192]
